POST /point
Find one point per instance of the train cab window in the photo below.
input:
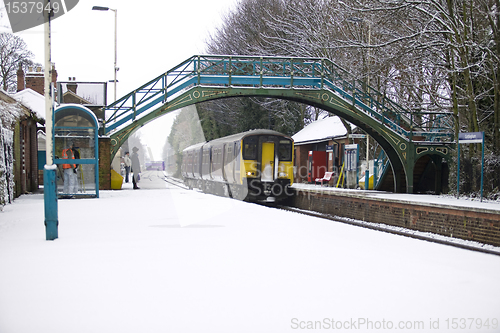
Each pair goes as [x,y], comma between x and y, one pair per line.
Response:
[285,150]
[250,148]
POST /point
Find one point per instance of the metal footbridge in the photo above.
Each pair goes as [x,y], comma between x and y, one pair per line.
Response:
[405,135]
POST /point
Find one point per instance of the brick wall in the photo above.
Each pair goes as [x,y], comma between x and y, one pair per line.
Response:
[465,223]
[104,163]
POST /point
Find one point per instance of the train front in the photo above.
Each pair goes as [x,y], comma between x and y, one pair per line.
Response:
[267,167]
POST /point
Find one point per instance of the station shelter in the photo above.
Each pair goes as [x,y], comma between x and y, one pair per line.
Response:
[319,148]
[76,127]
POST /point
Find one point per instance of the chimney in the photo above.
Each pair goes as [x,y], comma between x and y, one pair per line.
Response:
[21,84]
[36,79]
[54,74]
[72,86]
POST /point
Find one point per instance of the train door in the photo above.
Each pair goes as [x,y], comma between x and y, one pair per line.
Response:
[223,161]
[267,164]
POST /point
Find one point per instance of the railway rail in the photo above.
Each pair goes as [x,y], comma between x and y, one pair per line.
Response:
[175,182]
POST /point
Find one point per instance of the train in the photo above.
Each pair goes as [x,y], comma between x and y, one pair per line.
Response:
[255,166]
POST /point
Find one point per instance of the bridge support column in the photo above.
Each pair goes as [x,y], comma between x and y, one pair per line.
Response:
[104,163]
[409,167]
[438,180]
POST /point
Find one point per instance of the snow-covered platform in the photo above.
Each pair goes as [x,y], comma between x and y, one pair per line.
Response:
[174,260]
[425,199]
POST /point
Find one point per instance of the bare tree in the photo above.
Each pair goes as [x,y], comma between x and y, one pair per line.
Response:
[13,53]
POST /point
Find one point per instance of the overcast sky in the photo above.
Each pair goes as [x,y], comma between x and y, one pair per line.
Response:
[153,36]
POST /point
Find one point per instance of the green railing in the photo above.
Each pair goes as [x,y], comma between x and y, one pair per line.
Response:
[276,73]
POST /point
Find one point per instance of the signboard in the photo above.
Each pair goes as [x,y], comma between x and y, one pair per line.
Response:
[357,136]
[351,157]
[329,149]
[472,137]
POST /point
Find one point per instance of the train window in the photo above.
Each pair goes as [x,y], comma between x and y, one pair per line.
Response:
[250,148]
[285,150]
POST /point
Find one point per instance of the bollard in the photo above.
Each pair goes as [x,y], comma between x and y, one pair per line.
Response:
[50,200]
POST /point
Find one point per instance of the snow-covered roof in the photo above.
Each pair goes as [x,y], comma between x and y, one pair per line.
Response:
[10,110]
[321,130]
[32,100]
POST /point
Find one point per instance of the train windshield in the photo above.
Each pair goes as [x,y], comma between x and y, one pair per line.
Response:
[285,150]
[250,148]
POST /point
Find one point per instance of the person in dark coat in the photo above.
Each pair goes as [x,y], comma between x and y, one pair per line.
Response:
[136,167]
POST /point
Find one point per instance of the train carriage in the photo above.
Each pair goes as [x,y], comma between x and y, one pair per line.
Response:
[255,166]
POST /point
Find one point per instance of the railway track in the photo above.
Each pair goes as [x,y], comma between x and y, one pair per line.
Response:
[175,182]
[398,231]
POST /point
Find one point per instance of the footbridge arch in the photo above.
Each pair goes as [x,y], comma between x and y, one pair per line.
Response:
[404,135]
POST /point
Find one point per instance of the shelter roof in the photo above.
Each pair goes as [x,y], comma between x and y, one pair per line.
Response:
[321,130]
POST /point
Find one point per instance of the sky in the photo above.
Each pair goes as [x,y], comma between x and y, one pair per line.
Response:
[145,261]
[152,37]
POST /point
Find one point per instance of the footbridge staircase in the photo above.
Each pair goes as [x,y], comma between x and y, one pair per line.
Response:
[406,136]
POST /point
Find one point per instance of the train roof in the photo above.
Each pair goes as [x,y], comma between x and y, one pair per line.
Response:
[242,135]
[198,145]
[238,137]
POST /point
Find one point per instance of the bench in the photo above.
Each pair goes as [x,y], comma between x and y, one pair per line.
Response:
[326,178]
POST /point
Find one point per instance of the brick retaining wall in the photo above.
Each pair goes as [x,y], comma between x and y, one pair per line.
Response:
[104,163]
[479,225]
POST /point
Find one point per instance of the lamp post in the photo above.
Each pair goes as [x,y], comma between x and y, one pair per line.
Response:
[115,66]
[49,172]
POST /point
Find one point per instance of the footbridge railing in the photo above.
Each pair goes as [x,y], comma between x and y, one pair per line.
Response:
[275,73]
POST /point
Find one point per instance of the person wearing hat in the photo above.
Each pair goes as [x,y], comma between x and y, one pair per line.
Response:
[70,177]
[136,167]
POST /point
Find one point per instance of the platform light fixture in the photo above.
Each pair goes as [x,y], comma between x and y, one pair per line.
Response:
[116,69]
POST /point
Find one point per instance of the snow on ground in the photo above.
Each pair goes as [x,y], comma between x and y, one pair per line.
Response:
[173,260]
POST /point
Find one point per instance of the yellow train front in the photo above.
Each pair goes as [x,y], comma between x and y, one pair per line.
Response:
[254,166]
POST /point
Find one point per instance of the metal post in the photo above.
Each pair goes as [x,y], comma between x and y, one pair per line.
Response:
[458,168]
[116,67]
[482,167]
[367,171]
[49,173]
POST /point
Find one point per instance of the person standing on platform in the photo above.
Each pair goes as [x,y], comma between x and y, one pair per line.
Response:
[128,163]
[136,167]
[70,177]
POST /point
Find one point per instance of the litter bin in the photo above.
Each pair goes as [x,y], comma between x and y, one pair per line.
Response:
[116,180]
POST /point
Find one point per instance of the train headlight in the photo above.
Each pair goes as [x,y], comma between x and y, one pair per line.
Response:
[283,175]
[250,173]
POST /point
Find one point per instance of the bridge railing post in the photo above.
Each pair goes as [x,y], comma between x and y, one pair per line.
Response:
[322,73]
[354,93]
[197,68]
[230,70]
[164,87]
[134,104]
[261,73]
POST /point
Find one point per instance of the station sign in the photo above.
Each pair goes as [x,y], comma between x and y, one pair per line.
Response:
[357,136]
[351,157]
[472,137]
